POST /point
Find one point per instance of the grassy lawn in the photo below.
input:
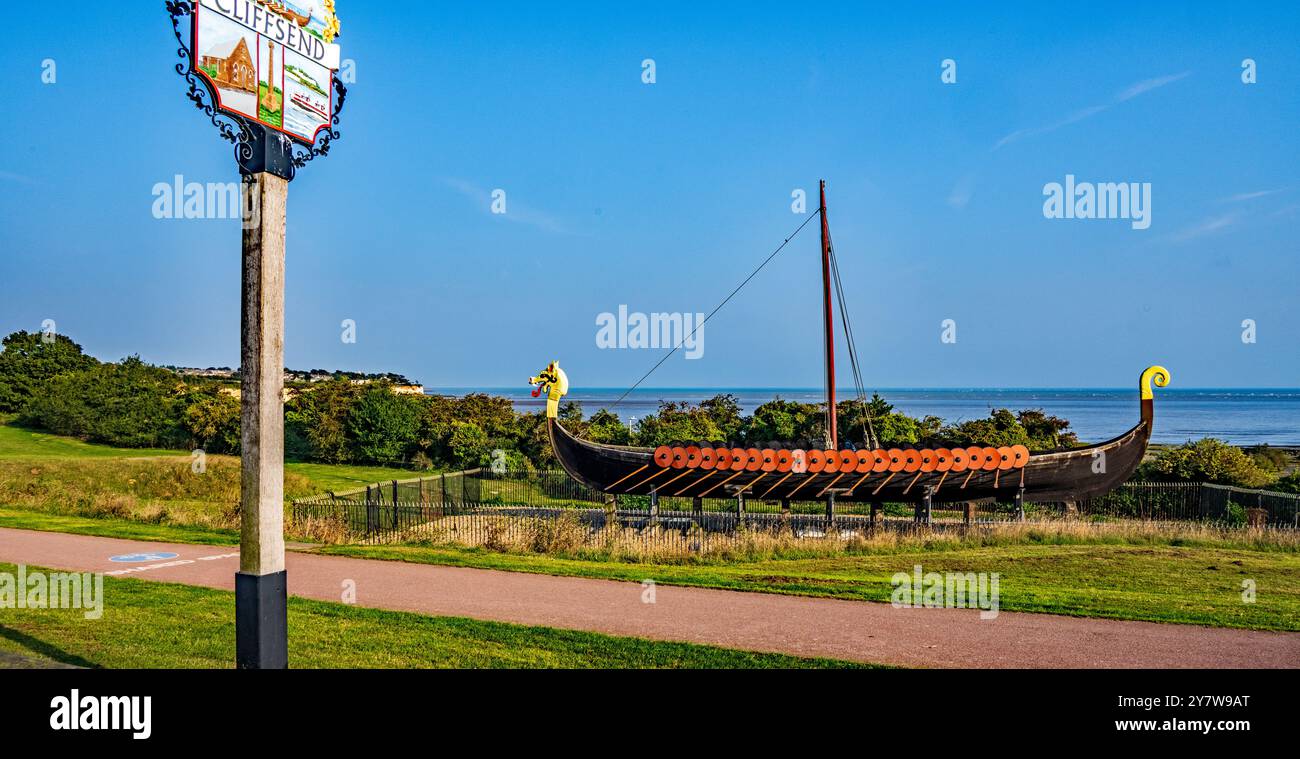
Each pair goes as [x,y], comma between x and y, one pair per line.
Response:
[126,529]
[58,484]
[71,486]
[23,445]
[157,625]
[1193,585]
[343,477]
[19,444]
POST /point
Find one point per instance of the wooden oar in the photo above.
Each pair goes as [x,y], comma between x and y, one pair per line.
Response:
[811,477]
[678,477]
[886,482]
[828,487]
[693,484]
[620,480]
[642,482]
[720,484]
[774,487]
[859,482]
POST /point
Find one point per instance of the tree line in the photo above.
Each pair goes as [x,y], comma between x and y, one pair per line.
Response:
[48,382]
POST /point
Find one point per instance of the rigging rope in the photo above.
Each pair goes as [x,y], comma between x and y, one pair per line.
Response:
[868,429]
[752,274]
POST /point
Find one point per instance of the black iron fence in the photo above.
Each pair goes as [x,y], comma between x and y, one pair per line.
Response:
[1195,501]
[481,507]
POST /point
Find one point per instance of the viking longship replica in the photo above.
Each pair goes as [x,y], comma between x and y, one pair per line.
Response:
[785,471]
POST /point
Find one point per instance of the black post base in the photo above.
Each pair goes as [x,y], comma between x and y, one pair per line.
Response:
[261,621]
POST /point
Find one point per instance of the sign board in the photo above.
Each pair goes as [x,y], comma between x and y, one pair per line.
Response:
[269,62]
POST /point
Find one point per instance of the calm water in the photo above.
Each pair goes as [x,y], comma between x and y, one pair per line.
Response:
[1242,417]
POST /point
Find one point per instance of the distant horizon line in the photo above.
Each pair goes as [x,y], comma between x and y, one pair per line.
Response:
[852,391]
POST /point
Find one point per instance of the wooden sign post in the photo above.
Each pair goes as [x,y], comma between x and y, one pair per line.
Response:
[261,586]
[266,73]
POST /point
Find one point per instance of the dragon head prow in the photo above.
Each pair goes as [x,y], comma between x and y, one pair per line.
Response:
[555,383]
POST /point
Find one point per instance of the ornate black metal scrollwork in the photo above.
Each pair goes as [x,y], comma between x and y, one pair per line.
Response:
[257,147]
[300,159]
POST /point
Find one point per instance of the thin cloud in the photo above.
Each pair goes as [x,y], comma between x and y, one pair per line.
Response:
[515,211]
[1128,93]
[19,178]
[1207,227]
[1244,196]
[1146,85]
[962,191]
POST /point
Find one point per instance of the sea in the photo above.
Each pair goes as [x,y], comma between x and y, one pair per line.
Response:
[1240,417]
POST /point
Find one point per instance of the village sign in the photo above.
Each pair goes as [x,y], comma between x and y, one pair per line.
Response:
[266,73]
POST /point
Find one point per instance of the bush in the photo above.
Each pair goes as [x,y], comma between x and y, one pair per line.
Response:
[212,420]
[469,445]
[382,425]
[1208,460]
[131,404]
[28,362]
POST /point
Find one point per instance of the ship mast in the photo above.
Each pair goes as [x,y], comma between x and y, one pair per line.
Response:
[832,439]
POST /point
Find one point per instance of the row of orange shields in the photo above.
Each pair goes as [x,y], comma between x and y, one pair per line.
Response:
[816,461]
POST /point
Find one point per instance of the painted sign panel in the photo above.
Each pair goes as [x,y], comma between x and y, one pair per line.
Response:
[271,62]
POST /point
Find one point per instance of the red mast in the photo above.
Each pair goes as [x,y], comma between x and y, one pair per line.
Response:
[832,439]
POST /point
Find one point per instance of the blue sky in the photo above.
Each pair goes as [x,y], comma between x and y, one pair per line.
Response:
[663,197]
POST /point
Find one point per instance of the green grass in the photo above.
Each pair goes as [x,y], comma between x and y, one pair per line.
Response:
[24,519]
[21,444]
[70,486]
[156,625]
[343,477]
[1136,582]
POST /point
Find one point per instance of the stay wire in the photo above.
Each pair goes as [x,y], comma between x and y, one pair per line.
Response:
[752,274]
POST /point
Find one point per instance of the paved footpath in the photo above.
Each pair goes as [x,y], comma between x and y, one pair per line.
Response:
[854,630]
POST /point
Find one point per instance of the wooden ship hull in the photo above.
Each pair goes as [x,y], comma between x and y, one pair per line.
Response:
[1066,475]
[781,472]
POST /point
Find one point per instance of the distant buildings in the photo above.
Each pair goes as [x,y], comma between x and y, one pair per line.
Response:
[401,385]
